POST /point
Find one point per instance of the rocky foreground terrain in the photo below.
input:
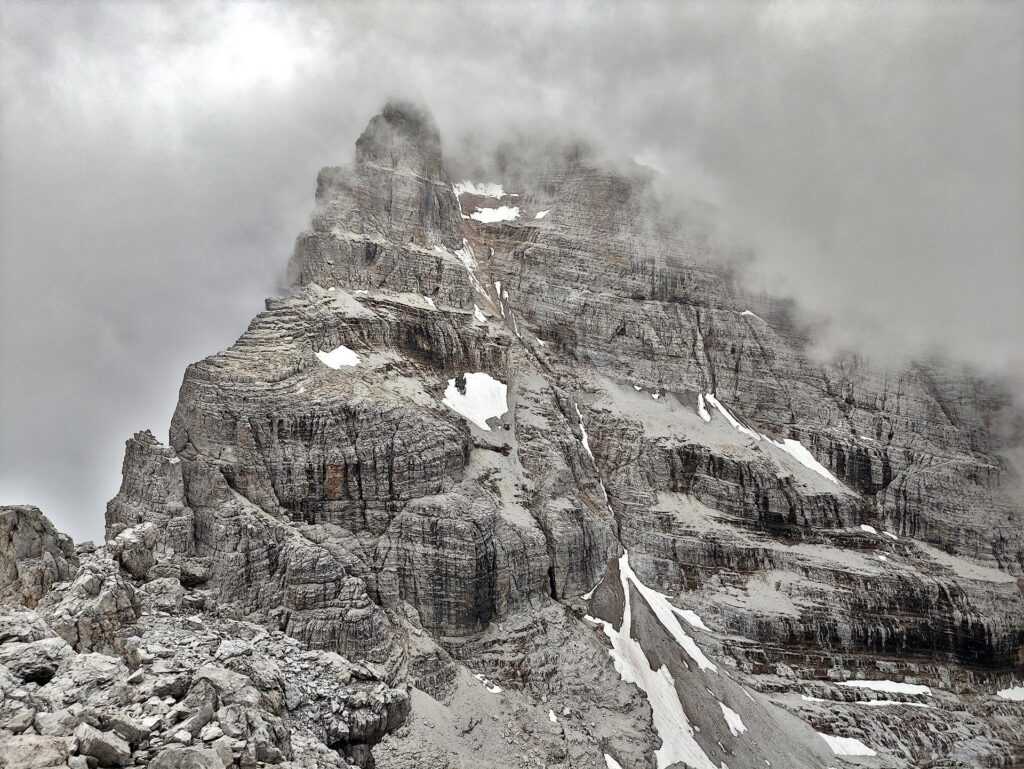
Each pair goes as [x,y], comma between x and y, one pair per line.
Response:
[518,476]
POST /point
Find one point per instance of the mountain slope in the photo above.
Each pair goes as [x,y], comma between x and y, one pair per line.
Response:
[531,455]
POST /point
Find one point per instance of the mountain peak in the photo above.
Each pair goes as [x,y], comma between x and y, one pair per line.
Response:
[403,136]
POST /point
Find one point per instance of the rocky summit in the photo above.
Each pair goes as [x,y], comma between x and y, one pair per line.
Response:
[518,475]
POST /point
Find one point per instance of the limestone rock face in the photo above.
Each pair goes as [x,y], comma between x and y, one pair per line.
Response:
[518,475]
[152,490]
[391,219]
[33,555]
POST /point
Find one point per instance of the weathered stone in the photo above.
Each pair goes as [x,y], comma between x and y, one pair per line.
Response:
[133,549]
[187,758]
[106,747]
[33,555]
[32,751]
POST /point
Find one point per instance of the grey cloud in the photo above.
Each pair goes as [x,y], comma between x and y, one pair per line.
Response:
[159,159]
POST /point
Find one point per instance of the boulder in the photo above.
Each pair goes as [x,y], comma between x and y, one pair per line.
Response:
[106,747]
[187,758]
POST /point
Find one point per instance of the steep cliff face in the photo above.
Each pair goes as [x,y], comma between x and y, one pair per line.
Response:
[530,453]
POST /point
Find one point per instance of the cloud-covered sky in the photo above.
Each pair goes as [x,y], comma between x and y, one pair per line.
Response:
[159,159]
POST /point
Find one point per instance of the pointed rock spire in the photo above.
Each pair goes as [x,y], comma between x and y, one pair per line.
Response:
[403,136]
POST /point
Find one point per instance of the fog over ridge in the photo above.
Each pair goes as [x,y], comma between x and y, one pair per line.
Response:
[159,160]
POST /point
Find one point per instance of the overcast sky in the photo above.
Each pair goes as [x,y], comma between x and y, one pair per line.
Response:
[159,159]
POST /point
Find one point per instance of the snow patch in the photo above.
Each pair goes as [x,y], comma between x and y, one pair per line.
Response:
[1015,693]
[792,447]
[499,214]
[891,536]
[338,357]
[430,303]
[847,746]
[491,687]
[730,418]
[468,259]
[655,396]
[611,763]
[800,453]
[692,617]
[585,440]
[752,315]
[485,398]
[483,189]
[888,686]
[541,214]
[552,717]
[702,409]
[732,718]
[868,529]
[665,612]
[678,744]
[479,314]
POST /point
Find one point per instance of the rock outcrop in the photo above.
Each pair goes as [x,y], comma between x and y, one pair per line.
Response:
[111,670]
[524,478]
[33,555]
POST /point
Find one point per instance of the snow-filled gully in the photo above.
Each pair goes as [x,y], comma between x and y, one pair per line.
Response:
[678,742]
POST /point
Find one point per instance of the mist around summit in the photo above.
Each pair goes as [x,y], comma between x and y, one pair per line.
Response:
[156,164]
[502,385]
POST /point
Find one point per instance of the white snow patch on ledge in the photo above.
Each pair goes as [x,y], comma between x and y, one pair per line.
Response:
[611,763]
[483,189]
[733,720]
[792,447]
[702,409]
[888,686]
[491,687]
[692,617]
[485,398]
[710,398]
[847,746]
[868,529]
[338,357]
[752,315]
[1015,693]
[479,314]
[541,214]
[499,214]
[552,717]
[800,453]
